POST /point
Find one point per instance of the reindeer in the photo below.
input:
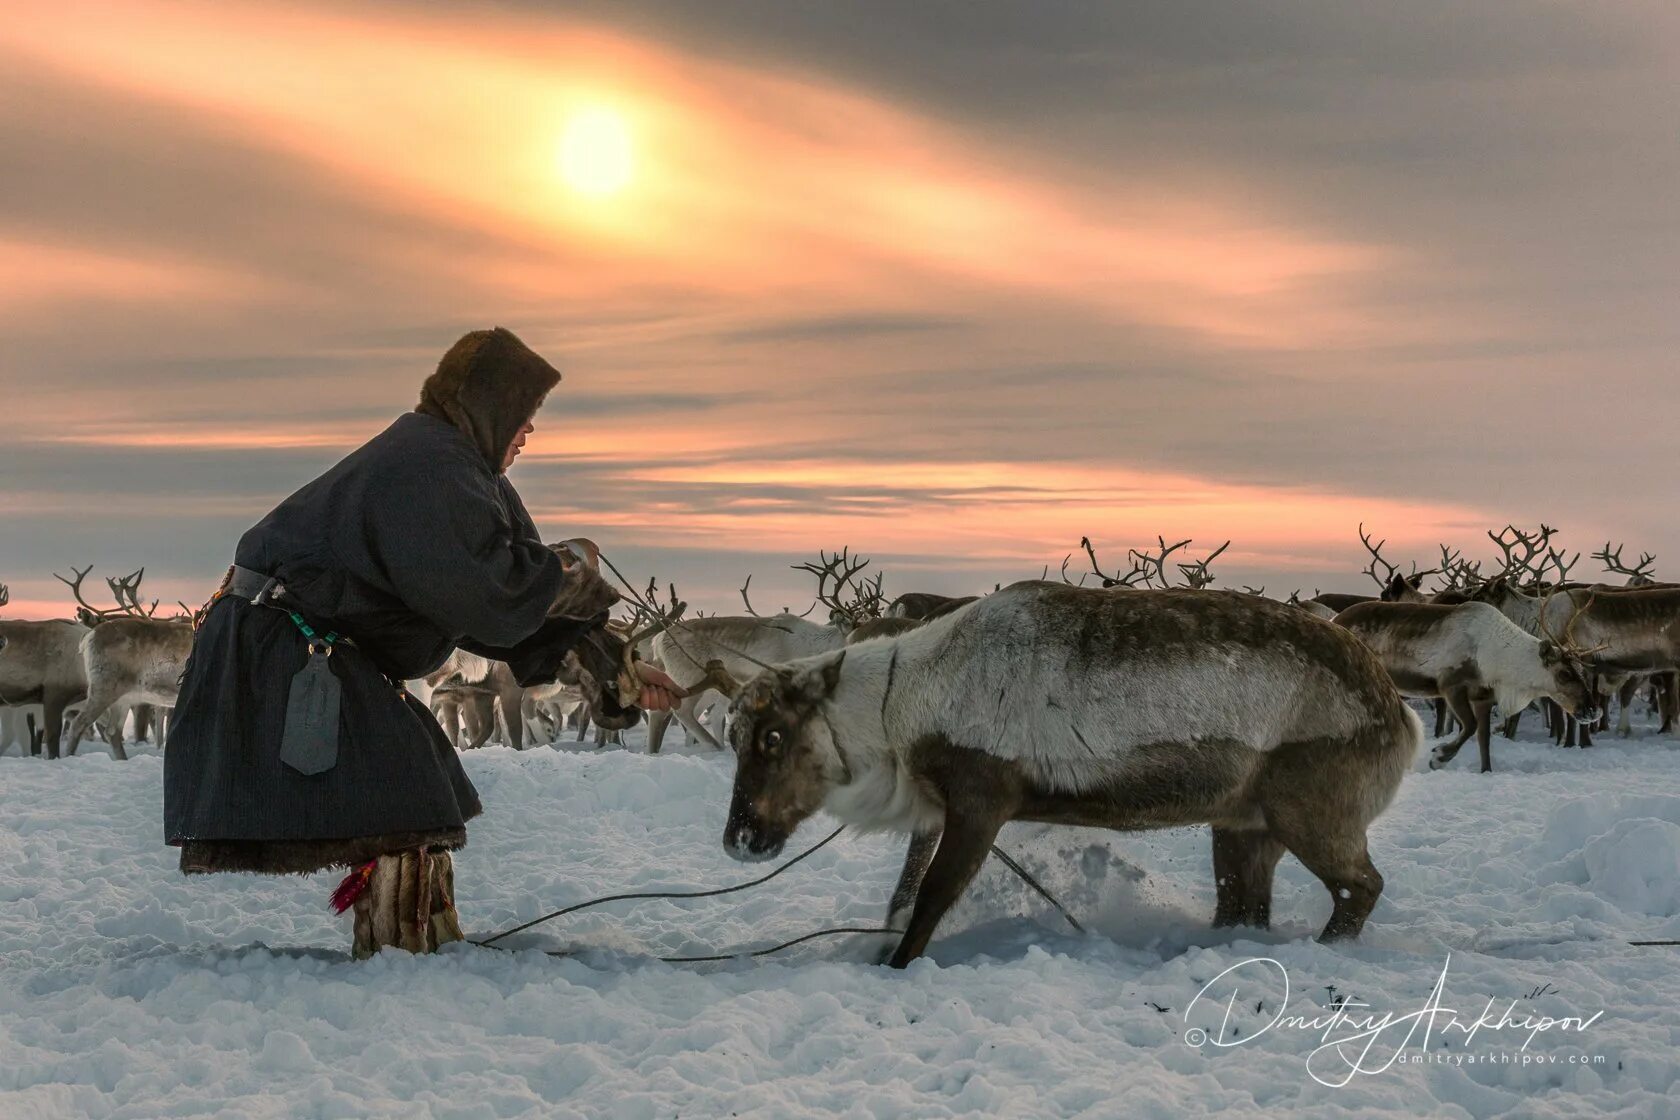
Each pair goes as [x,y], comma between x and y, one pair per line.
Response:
[1473,657]
[131,661]
[739,644]
[42,664]
[128,657]
[1666,685]
[1638,629]
[1044,702]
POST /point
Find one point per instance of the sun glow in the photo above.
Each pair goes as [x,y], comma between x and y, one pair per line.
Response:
[595,153]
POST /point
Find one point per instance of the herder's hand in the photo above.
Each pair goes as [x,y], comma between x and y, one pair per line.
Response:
[659,692]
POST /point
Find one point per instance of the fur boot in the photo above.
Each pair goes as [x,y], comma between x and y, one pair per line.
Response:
[409,904]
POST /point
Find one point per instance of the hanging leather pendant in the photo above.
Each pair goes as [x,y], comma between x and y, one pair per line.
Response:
[309,743]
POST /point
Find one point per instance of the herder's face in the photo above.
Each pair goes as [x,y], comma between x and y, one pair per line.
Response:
[517,444]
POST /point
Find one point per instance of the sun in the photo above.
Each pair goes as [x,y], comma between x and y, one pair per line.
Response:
[595,153]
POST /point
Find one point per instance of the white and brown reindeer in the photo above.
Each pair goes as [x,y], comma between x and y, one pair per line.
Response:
[1043,702]
[47,664]
[739,644]
[1634,630]
[129,656]
[1473,657]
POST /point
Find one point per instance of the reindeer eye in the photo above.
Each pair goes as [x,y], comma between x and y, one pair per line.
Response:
[772,739]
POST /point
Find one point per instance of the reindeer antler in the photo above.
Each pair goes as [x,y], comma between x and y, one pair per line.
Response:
[1376,558]
[1152,566]
[124,590]
[1511,538]
[1639,574]
[650,617]
[5,595]
[1196,574]
[842,570]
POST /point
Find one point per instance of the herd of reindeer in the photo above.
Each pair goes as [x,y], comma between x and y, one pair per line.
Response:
[1521,635]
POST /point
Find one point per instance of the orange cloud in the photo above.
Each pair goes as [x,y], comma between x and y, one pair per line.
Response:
[35,276]
[748,182]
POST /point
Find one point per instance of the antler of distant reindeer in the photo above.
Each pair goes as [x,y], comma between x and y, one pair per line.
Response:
[125,590]
[5,595]
[1554,559]
[1457,573]
[755,614]
[1197,575]
[1509,539]
[1149,568]
[1257,592]
[1638,574]
[649,617]
[1414,577]
[1152,566]
[867,597]
[1107,580]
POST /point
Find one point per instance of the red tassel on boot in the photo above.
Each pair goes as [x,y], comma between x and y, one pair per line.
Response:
[354,886]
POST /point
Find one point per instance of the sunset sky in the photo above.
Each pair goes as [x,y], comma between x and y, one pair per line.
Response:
[953,284]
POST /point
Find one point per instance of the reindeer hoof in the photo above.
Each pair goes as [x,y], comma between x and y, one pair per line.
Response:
[1438,758]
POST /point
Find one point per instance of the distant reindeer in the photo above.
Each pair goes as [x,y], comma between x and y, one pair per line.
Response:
[1473,657]
[1637,628]
[128,657]
[1043,702]
[737,643]
[42,664]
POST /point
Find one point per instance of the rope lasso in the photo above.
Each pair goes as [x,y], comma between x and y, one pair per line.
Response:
[563,911]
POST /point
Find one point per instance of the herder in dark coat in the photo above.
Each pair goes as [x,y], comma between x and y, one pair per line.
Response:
[294,746]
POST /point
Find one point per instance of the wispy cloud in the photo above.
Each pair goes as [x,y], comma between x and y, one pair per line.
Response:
[953,295]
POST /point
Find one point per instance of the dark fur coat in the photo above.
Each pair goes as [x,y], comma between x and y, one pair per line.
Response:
[412,545]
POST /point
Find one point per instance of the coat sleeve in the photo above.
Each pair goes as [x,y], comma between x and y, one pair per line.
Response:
[445,545]
[539,658]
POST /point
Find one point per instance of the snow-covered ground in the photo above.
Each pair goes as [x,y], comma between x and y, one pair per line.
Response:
[127,990]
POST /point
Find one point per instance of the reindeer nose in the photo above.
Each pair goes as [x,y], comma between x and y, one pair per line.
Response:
[745,841]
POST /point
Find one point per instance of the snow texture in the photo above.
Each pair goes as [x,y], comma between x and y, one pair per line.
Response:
[130,991]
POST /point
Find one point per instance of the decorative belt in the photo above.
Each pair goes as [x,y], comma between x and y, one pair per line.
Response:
[260,588]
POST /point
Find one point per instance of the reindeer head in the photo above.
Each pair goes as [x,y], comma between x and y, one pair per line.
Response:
[1574,679]
[1496,592]
[1405,588]
[786,761]
[1574,672]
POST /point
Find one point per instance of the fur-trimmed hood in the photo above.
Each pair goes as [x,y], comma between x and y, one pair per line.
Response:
[488,385]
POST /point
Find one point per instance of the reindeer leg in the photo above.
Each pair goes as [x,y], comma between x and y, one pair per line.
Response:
[685,716]
[1243,862]
[916,859]
[98,702]
[480,710]
[1668,698]
[1440,717]
[1625,697]
[52,721]
[513,715]
[1459,700]
[657,723]
[963,847]
[1484,732]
